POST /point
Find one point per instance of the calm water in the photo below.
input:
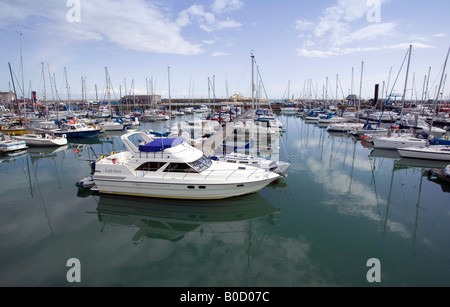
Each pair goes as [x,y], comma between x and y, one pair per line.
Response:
[341,205]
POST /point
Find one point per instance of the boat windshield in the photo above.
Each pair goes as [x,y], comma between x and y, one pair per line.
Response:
[201,164]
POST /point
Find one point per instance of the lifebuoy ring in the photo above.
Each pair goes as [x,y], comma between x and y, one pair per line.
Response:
[113,153]
[102,157]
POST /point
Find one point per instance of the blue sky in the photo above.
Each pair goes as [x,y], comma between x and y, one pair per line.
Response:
[297,42]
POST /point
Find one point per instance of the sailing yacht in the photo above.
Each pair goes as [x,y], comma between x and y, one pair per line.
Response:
[398,140]
[409,121]
[434,152]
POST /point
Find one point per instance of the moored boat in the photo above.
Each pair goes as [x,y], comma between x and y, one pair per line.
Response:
[398,141]
[344,127]
[171,168]
[435,152]
[279,167]
[9,145]
[76,130]
[38,139]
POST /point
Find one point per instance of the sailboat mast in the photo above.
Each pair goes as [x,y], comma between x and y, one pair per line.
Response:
[406,79]
[439,90]
[360,86]
[21,65]
[14,87]
[107,91]
[253,81]
[170,103]
[45,91]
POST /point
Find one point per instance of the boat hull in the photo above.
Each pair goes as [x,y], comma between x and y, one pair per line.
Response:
[178,190]
[344,127]
[79,134]
[434,152]
[397,142]
[42,141]
[12,146]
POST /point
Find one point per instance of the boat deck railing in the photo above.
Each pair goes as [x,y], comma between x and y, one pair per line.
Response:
[208,173]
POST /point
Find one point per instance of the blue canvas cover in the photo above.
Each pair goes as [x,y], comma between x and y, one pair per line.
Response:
[160,144]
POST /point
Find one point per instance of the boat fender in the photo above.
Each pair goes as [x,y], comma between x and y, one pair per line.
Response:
[447,170]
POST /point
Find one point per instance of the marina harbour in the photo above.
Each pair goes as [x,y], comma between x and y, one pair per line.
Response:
[340,204]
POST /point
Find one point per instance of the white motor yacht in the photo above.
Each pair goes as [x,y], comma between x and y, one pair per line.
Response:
[171,168]
[9,145]
[44,139]
[279,167]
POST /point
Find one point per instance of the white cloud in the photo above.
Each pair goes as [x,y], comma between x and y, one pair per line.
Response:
[206,20]
[346,28]
[441,35]
[224,6]
[311,53]
[219,53]
[370,32]
[132,24]
[195,12]
[303,25]
[135,25]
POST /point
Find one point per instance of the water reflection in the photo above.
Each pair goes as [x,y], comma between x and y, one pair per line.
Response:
[172,220]
[422,165]
[12,156]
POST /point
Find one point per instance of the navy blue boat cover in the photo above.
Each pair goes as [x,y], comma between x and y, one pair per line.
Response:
[160,144]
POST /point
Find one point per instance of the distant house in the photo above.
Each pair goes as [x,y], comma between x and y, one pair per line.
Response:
[353,99]
[242,98]
[141,99]
[7,97]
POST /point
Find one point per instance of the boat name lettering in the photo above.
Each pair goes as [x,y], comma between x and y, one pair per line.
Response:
[115,171]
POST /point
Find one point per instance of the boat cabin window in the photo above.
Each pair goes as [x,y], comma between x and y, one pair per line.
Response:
[178,168]
[201,164]
[150,166]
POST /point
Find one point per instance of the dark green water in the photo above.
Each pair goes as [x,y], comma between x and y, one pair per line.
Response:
[341,205]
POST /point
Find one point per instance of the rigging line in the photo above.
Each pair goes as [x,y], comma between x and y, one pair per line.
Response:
[18,83]
[398,75]
[57,175]
[264,88]
[393,86]
[375,190]
[42,199]
[270,107]
[416,220]
[342,89]
[404,198]
[29,178]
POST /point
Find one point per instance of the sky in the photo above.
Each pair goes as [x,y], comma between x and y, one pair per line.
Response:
[202,48]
